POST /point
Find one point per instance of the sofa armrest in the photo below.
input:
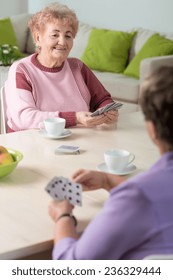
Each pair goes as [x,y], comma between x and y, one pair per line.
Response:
[148,65]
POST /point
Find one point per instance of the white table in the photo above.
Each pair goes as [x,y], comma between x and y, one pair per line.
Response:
[26,228]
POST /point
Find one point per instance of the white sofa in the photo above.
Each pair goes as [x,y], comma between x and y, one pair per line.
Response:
[121,87]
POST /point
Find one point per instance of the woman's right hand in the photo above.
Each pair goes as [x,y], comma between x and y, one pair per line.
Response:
[85,119]
[92,180]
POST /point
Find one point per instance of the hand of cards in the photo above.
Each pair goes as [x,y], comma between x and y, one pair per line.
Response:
[112,106]
[61,188]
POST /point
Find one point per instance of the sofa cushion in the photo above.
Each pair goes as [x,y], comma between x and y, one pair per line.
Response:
[30,46]
[20,27]
[7,33]
[107,50]
[81,40]
[140,38]
[120,87]
[156,45]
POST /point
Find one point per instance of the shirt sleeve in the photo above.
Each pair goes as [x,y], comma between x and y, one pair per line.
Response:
[99,95]
[115,231]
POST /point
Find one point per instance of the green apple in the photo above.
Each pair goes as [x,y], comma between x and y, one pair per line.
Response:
[5,156]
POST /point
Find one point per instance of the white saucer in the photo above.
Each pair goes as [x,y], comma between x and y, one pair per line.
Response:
[129,169]
[65,133]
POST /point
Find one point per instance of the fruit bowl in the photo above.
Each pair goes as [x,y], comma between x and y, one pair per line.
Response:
[6,169]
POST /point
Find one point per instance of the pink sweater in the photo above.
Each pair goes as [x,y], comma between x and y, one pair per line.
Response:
[35,92]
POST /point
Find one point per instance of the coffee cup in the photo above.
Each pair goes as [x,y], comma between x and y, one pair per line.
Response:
[54,126]
[117,159]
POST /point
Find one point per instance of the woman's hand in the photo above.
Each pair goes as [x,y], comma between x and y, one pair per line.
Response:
[85,118]
[65,226]
[57,208]
[112,116]
[92,180]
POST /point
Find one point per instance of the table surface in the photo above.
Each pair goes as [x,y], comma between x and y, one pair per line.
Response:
[26,227]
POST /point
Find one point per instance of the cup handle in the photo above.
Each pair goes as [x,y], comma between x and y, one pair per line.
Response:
[131,158]
[41,125]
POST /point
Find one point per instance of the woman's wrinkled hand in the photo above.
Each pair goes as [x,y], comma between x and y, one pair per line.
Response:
[112,116]
[85,118]
[90,180]
[93,180]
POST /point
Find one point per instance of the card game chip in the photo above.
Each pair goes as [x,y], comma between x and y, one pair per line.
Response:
[61,188]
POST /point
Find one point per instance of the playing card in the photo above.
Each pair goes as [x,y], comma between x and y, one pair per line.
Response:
[114,106]
[67,149]
[74,192]
[96,113]
[61,188]
[56,188]
[111,106]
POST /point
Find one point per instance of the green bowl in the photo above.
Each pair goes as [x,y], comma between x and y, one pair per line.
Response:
[8,168]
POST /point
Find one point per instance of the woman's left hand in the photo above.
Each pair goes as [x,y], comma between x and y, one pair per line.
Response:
[57,208]
[111,116]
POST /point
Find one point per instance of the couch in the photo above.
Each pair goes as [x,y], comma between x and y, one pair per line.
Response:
[122,87]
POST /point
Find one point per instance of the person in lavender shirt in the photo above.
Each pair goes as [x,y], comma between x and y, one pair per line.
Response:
[137,219]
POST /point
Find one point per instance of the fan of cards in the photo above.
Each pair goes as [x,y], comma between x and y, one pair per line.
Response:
[112,106]
[61,188]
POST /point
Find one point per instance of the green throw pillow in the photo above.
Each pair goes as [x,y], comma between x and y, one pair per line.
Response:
[107,50]
[7,35]
[156,45]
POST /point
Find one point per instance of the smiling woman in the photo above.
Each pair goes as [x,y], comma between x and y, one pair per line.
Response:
[55,21]
[56,41]
[48,84]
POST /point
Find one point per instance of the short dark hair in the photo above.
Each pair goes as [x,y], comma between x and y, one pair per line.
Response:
[156,100]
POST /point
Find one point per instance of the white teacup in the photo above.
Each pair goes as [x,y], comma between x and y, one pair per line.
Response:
[54,126]
[116,159]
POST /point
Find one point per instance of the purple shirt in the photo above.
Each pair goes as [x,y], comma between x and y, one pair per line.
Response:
[136,221]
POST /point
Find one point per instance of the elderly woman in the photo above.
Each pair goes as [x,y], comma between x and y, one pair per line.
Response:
[137,219]
[49,84]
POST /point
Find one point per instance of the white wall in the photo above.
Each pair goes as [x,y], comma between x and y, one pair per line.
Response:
[115,14]
[119,14]
[12,7]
